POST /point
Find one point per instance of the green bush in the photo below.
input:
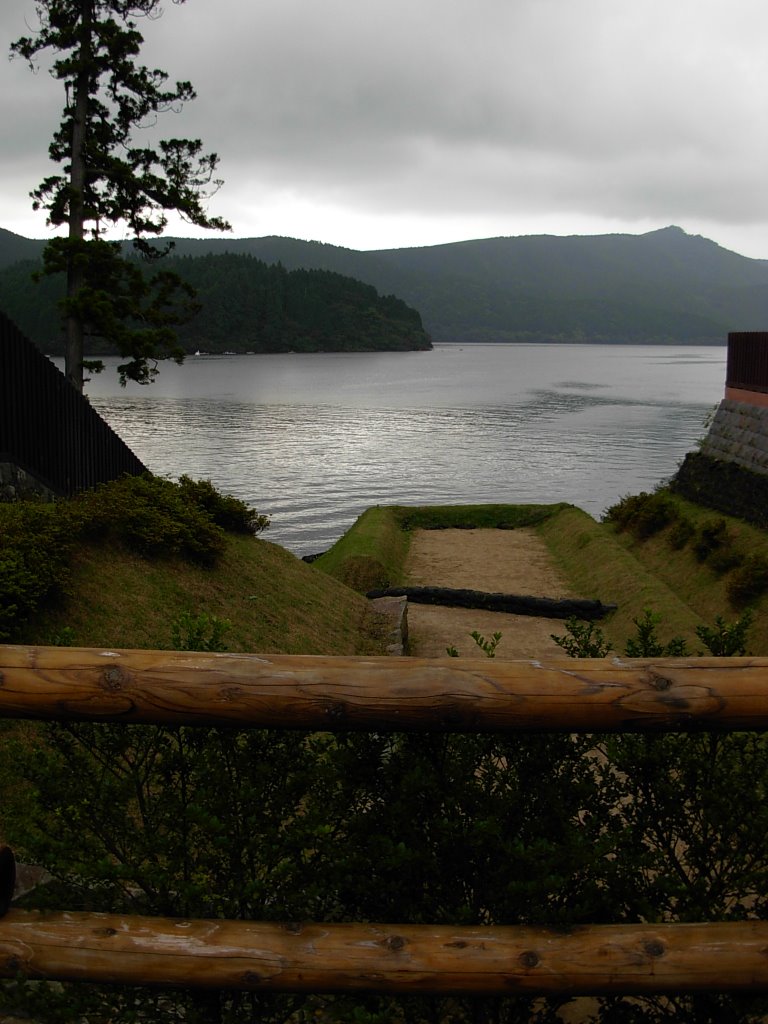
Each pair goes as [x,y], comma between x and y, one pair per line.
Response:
[582,640]
[201,632]
[748,582]
[712,535]
[642,514]
[151,516]
[681,532]
[228,512]
[646,643]
[36,543]
[146,514]
[726,639]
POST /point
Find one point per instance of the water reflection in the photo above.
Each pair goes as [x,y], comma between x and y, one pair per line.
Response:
[476,424]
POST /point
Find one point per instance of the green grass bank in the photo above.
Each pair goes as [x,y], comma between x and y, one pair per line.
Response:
[610,561]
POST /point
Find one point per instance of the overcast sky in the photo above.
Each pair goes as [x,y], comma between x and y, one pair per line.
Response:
[376,124]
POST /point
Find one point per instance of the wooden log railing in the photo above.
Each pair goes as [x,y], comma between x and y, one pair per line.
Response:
[283,691]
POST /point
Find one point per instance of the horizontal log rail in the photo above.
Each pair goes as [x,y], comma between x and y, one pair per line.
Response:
[450,694]
[402,959]
[282,691]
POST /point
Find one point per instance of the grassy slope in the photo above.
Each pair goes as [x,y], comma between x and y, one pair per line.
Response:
[599,563]
[276,602]
[615,566]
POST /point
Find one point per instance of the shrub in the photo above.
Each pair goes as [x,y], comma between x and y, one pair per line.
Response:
[200,632]
[725,558]
[36,544]
[150,516]
[726,639]
[622,513]
[681,532]
[646,643]
[146,514]
[642,514]
[712,535]
[228,512]
[582,640]
[748,582]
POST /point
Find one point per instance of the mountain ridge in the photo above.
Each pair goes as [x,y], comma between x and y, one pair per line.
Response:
[661,286]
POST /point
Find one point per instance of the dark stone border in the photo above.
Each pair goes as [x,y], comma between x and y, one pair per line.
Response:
[515,604]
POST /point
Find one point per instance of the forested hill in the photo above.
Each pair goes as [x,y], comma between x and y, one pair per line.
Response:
[246,306]
[663,286]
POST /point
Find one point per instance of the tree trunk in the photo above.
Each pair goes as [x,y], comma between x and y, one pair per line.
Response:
[74,332]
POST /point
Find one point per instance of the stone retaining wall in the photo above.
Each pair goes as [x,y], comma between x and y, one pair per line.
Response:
[16,483]
[739,433]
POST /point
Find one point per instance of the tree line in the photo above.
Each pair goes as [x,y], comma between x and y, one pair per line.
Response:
[242,305]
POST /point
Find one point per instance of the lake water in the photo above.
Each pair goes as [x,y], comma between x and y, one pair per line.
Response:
[313,440]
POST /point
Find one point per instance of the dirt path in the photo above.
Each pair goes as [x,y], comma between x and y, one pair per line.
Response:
[504,561]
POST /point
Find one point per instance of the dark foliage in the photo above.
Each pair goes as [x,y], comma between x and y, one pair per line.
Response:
[749,581]
[711,537]
[244,305]
[146,514]
[642,514]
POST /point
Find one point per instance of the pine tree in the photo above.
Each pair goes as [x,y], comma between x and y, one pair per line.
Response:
[107,180]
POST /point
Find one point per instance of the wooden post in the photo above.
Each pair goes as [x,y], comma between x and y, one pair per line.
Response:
[404,959]
[7,878]
[450,694]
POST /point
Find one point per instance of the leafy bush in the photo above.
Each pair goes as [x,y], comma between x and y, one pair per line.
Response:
[200,632]
[284,825]
[35,545]
[712,535]
[748,582]
[146,514]
[646,643]
[487,645]
[642,514]
[726,639]
[228,512]
[681,532]
[149,515]
[582,640]
[725,558]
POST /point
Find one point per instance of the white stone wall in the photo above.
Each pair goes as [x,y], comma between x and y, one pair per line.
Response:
[739,433]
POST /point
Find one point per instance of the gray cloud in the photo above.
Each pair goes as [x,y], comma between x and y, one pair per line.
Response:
[358,119]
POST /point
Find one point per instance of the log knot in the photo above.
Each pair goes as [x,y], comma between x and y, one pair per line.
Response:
[113,679]
[530,958]
[653,947]
[394,943]
[336,710]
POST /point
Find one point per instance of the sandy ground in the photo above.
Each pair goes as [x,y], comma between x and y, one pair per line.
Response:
[503,561]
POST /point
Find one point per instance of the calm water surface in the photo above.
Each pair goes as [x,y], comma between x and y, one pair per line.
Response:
[313,440]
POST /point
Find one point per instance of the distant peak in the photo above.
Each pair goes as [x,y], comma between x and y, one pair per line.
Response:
[671,229]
